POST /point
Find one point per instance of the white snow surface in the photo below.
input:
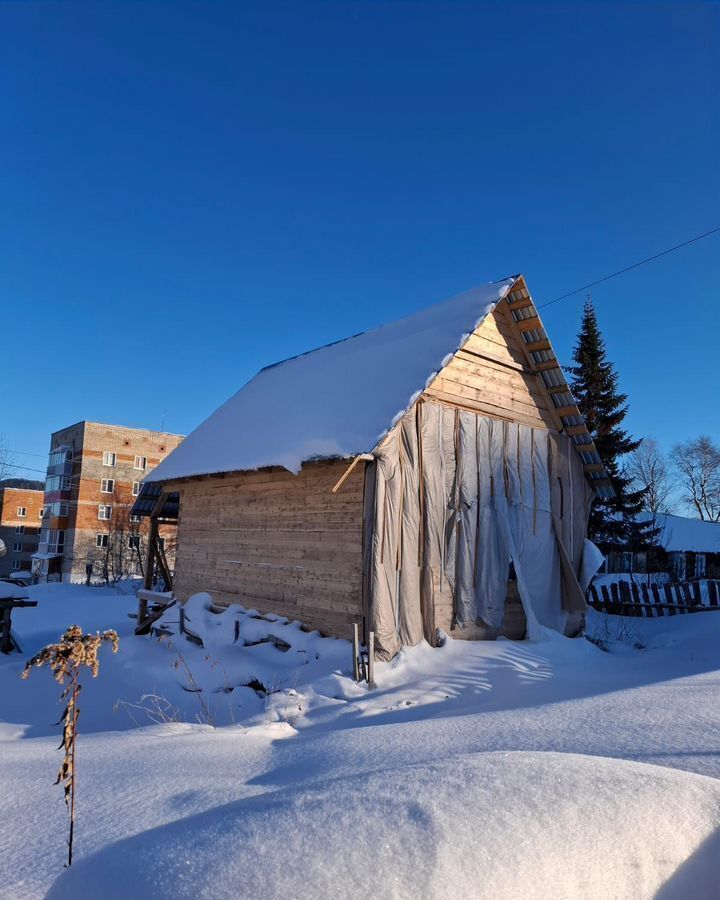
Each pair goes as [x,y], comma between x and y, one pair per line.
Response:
[478,769]
[337,401]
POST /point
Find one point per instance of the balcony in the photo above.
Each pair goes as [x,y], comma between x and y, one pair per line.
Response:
[55,548]
[52,541]
[58,485]
[60,468]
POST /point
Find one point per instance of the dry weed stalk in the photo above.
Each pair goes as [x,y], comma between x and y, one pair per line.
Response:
[65,658]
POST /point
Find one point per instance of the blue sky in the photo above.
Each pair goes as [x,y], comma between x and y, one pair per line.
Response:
[189,191]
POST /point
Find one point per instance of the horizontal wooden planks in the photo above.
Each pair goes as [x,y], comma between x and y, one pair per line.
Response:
[489,375]
[276,541]
[513,626]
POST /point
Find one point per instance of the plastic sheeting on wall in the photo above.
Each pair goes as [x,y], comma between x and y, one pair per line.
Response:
[466,495]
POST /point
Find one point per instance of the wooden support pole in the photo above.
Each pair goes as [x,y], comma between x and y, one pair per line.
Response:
[356,653]
[371,660]
[346,474]
[6,646]
[150,564]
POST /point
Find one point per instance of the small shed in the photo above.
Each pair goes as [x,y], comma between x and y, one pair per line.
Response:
[434,473]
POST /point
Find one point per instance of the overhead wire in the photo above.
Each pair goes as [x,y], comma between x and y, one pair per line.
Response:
[629,268]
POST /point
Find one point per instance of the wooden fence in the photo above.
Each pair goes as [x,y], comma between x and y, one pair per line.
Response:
[637,598]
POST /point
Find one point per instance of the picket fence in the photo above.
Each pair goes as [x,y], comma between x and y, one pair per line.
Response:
[637,598]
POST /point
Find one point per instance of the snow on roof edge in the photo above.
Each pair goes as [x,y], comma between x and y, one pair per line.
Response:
[341,449]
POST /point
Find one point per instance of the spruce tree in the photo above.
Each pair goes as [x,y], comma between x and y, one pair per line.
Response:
[613,522]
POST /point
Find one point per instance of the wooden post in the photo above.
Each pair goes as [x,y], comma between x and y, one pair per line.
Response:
[142,610]
[150,565]
[670,599]
[371,660]
[713,593]
[6,646]
[356,653]
[606,603]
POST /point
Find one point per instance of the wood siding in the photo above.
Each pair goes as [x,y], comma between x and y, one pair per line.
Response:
[277,542]
[514,622]
[490,375]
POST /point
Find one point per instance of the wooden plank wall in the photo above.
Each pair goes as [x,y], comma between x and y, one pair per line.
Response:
[514,622]
[490,375]
[277,542]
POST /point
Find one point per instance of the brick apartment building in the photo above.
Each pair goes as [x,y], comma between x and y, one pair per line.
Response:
[93,476]
[20,521]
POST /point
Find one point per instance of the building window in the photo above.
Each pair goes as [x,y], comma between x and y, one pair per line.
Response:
[135,518]
[22,512]
[136,488]
[107,485]
[134,541]
[679,565]
[19,529]
[699,565]
[101,540]
[104,512]
[109,458]
[15,565]
[42,512]
[161,542]
[57,508]
[17,547]
[141,462]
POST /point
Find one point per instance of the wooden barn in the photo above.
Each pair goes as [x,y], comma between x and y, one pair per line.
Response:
[434,473]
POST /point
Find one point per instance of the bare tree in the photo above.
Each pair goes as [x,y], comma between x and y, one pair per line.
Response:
[118,549]
[698,465]
[650,473]
[7,461]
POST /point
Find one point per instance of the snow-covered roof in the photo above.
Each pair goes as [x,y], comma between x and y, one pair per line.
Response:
[334,402]
[678,533]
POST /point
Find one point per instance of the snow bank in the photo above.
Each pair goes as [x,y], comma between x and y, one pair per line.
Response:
[336,401]
[488,825]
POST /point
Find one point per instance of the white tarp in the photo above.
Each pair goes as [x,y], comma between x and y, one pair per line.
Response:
[468,495]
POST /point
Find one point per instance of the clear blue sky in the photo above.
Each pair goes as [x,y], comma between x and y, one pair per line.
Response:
[189,191]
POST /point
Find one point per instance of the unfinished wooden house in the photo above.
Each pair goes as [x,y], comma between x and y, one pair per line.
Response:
[434,473]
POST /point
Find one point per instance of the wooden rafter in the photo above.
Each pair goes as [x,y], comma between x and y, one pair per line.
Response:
[526,326]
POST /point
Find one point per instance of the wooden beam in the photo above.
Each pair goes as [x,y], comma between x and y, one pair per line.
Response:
[158,505]
[520,304]
[555,418]
[348,471]
[534,346]
[567,410]
[498,360]
[150,562]
[528,324]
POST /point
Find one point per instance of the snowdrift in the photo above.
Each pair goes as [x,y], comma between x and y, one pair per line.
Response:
[496,825]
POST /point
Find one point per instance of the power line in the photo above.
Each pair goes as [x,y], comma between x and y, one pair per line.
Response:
[27,453]
[642,262]
[26,468]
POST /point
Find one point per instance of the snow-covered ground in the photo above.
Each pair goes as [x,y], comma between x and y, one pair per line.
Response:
[546,769]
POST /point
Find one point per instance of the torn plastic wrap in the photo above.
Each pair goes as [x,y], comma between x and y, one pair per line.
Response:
[460,496]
